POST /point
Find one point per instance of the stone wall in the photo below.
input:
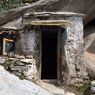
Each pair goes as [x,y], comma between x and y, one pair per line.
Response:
[71,66]
[74,52]
[27,44]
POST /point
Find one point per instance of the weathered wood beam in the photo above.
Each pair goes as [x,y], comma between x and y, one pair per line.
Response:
[50,23]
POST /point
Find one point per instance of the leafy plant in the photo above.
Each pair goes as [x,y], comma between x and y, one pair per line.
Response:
[84,89]
[9,4]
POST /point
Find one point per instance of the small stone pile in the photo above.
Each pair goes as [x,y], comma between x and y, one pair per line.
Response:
[23,67]
[2,60]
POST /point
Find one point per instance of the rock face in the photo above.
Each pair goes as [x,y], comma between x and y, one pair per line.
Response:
[11,85]
[90,65]
[82,6]
[89,40]
[89,37]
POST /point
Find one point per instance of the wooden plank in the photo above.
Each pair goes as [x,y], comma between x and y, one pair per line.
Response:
[50,23]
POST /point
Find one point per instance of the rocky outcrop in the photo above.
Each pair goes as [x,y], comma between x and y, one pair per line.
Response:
[17,12]
[89,38]
[12,85]
[90,64]
[86,7]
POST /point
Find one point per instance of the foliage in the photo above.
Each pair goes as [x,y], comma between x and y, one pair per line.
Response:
[9,4]
[84,89]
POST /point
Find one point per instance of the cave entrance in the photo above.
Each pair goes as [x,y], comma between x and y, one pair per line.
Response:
[49,50]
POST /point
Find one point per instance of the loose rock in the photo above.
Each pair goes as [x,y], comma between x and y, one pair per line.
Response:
[2,60]
[68,93]
[93,87]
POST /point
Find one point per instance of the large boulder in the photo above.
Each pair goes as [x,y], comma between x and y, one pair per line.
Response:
[90,64]
[12,85]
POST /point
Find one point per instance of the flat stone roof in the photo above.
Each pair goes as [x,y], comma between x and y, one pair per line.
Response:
[13,25]
[53,13]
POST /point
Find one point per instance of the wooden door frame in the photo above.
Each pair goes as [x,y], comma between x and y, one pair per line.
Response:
[4,42]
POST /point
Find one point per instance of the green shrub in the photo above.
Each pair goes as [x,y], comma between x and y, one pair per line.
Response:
[9,4]
[84,89]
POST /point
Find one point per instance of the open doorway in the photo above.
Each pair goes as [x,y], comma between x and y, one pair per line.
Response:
[49,52]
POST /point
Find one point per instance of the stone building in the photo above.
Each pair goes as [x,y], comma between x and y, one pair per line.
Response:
[55,41]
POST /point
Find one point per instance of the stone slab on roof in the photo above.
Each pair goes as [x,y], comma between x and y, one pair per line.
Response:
[13,25]
[53,13]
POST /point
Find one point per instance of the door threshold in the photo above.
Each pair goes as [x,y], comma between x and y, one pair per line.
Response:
[51,81]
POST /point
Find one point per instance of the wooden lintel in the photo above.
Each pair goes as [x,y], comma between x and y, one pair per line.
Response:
[51,22]
[54,13]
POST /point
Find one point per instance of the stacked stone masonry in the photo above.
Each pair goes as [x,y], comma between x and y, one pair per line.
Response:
[72,67]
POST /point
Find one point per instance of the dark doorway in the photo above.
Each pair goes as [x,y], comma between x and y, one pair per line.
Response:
[49,52]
